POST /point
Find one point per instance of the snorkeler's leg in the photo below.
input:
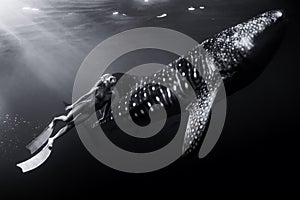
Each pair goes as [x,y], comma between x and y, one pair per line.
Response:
[61,132]
[38,142]
[63,118]
[69,117]
[79,119]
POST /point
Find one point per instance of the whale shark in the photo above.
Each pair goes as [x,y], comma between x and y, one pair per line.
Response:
[235,56]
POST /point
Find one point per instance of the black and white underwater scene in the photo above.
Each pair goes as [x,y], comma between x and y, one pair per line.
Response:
[252,44]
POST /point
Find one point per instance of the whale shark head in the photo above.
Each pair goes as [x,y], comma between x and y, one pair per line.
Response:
[243,51]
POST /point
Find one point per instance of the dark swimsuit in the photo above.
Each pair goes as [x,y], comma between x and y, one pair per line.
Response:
[102,97]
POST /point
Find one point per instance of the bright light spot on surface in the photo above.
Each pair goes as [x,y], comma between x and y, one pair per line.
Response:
[162,15]
[149,2]
[191,8]
[201,7]
[115,13]
[30,9]
[12,14]
[278,13]
[124,14]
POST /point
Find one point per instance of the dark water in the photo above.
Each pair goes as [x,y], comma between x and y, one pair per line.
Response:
[42,44]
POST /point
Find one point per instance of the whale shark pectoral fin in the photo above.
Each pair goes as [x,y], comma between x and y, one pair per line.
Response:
[198,121]
[205,123]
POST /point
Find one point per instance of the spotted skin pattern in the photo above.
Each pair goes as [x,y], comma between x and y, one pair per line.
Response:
[230,47]
[201,71]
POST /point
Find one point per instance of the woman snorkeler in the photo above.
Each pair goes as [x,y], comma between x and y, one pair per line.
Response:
[98,98]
